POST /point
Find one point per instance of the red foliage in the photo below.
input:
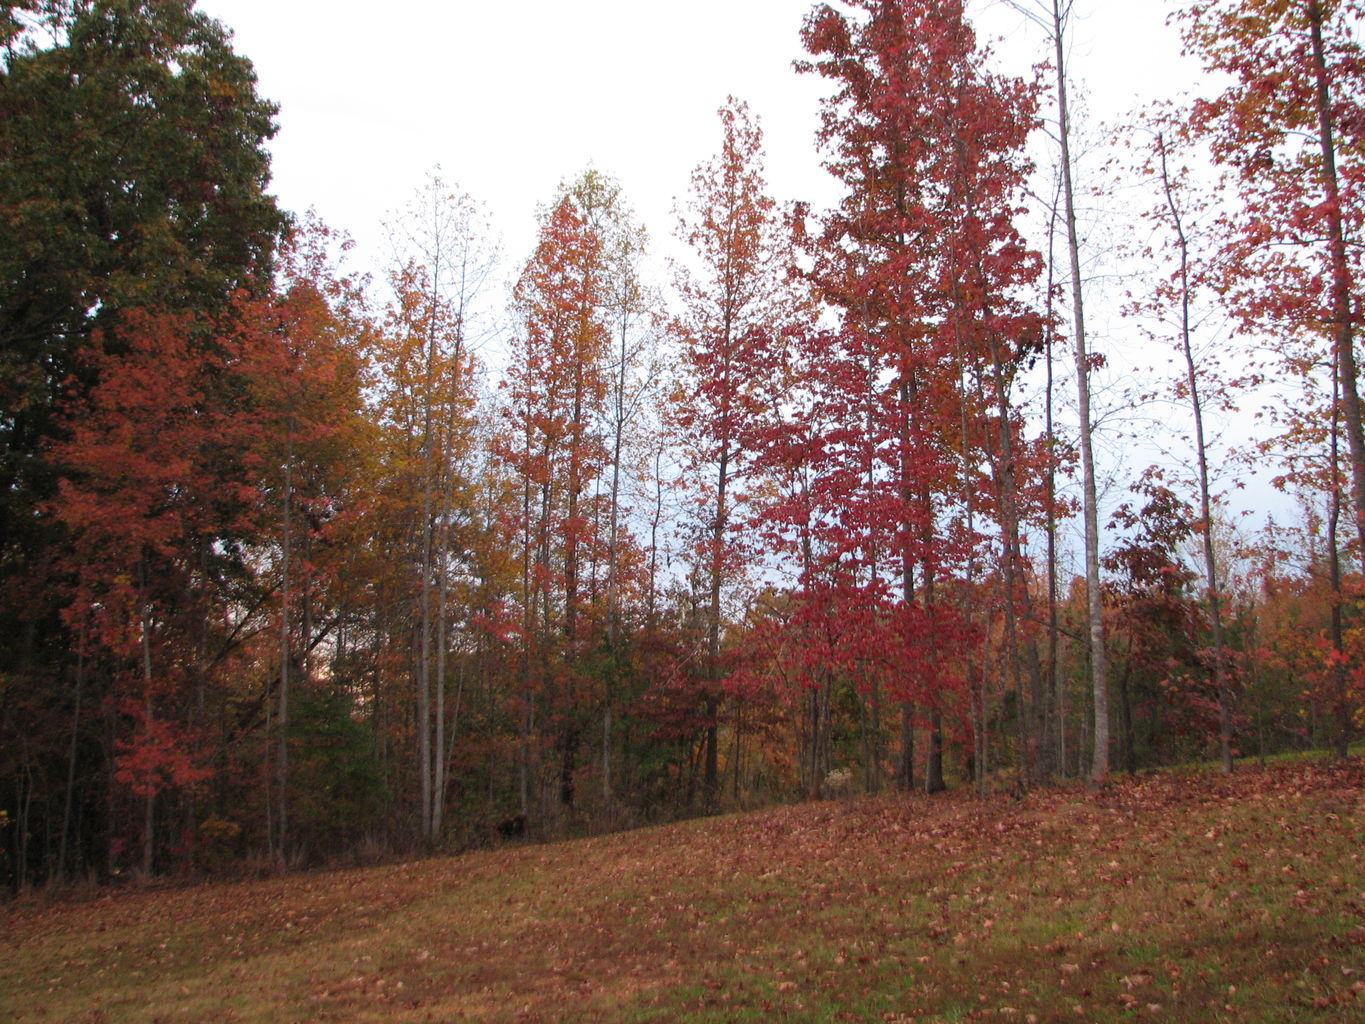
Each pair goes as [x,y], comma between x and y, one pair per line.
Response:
[885,431]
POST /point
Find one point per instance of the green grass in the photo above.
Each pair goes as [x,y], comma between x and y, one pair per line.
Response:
[1166,898]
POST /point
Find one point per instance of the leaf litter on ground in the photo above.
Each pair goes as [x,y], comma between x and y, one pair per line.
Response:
[1170,897]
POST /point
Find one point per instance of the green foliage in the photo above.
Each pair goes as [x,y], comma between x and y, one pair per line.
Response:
[134,170]
[132,175]
[337,786]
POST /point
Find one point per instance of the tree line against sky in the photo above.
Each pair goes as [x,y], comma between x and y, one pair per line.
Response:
[289,574]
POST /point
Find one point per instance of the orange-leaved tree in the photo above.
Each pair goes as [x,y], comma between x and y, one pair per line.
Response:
[427,516]
[306,351]
[555,391]
[160,508]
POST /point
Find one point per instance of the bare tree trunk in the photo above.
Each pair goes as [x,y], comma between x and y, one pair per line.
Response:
[716,568]
[980,695]
[422,654]
[1345,361]
[1055,727]
[933,761]
[23,793]
[1201,452]
[282,719]
[1056,692]
[71,765]
[874,780]
[613,545]
[438,780]
[527,633]
[1342,285]
[655,523]
[905,759]
[1338,626]
[1007,498]
[1099,674]
[1127,742]
[149,807]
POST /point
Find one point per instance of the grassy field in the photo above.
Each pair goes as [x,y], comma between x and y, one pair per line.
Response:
[1180,897]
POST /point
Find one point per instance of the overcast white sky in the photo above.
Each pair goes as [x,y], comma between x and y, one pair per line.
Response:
[511,98]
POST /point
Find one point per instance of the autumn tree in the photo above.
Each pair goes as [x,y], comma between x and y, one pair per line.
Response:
[1303,667]
[1308,446]
[875,264]
[430,455]
[133,147]
[555,391]
[1153,633]
[451,238]
[926,268]
[133,171]
[306,358]
[735,302]
[205,478]
[157,501]
[1288,128]
[630,308]
[1186,270]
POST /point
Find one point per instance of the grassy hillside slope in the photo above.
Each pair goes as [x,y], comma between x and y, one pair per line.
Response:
[1171,898]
